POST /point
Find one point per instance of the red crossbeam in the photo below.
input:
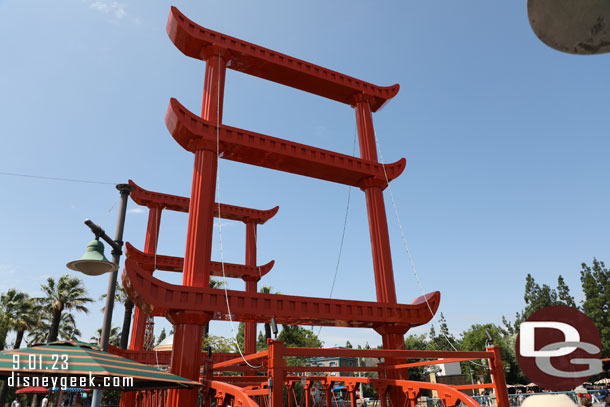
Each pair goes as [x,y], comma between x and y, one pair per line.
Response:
[162,357]
[176,264]
[193,134]
[200,43]
[144,197]
[157,298]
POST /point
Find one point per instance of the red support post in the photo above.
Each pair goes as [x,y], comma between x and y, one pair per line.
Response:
[150,247]
[186,350]
[380,240]
[186,358]
[203,190]
[138,328]
[276,372]
[251,286]
[497,375]
[306,393]
[328,393]
[290,392]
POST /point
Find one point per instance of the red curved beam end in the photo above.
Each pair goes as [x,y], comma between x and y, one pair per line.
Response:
[147,198]
[157,298]
[194,134]
[153,262]
[199,42]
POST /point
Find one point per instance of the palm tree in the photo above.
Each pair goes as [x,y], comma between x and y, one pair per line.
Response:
[27,317]
[10,302]
[67,294]
[19,313]
[114,339]
[67,328]
[122,297]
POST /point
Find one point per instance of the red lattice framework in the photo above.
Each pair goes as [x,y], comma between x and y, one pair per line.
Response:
[190,306]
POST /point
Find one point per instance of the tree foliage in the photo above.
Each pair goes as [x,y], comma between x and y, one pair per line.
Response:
[537,297]
[595,281]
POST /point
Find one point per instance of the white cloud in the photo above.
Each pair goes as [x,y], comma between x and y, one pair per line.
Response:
[136,210]
[117,11]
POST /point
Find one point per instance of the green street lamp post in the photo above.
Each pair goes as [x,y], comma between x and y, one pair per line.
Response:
[94,263]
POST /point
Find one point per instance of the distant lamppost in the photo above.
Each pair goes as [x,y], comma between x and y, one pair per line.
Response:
[94,263]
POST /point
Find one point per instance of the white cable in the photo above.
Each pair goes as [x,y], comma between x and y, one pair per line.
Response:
[349,193]
[222,262]
[404,241]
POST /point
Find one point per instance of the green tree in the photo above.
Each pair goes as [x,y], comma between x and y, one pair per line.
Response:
[162,337]
[67,294]
[297,336]
[67,328]
[19,313]
[114,337]
[537,297]
[16,313]
[219,344]
[416,342]
[444,340]
[595,281]
[476,339]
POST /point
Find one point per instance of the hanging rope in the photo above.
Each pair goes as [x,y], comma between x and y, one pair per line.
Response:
[404,241]
[222,262]
[349,194]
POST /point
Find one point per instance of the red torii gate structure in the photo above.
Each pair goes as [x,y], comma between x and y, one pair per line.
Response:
[193,304]
[150,261]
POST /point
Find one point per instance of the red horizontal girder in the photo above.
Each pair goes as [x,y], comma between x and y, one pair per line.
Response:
[170,263]
[193,134]
[144,197]
[163,357]
[157,298]
[199,42]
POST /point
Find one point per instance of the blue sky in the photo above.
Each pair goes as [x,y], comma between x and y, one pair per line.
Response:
[506,142]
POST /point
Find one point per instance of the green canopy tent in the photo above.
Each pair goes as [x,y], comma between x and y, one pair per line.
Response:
[79,364]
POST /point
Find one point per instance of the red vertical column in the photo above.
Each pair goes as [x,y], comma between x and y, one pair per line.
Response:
[203,190]
[186,350]
[150,247]
[380,240]
[250,327]
[497,374]
[128,399]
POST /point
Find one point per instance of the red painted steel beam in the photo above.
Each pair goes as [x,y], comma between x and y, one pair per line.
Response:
[163,357]
[194,134]
[144,197]
[171,263]
[200,43]
[387,353]
[158,298]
